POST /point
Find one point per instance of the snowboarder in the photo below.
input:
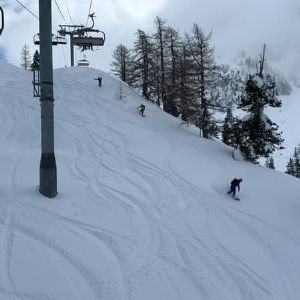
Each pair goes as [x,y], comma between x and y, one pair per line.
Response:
[99,81]
[235,183]
[142,109]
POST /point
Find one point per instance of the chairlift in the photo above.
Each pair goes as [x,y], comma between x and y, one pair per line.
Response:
[89,42]
[2,20]
[56,39]
[83,62]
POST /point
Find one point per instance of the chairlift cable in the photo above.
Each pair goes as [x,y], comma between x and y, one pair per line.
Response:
[60,12]
[69,11]
[89,13]
[27,9]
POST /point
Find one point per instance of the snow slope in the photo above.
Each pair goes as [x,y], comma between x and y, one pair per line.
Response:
[142,210]
[287,117]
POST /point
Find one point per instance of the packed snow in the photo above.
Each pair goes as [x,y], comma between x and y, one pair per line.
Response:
[142,211]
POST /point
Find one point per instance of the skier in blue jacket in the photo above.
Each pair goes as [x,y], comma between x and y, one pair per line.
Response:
[235,183]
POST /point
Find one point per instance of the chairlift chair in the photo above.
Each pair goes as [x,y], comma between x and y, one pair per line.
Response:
[83,62]
[89,42]
[56,39]
[2,20]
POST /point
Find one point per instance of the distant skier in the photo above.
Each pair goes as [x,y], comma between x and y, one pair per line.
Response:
[142,109]
[235,183]
[99,81]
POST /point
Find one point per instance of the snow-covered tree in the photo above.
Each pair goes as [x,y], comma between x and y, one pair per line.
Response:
[228,132]
[120,93]
[290,168]
[260,135]
[293,165]
[270,163]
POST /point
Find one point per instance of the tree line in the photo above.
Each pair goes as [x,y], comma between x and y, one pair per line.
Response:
[180,74]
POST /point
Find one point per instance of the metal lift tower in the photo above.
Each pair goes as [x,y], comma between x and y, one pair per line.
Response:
[48,173]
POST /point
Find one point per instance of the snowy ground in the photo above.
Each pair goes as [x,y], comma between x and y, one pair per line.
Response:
[287,117]
[142,211]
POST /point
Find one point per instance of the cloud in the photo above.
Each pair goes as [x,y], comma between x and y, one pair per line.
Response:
[244,25]
[237,25]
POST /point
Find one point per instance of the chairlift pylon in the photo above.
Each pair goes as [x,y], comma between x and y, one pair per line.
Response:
[56,39]
[2,20]
[83,62]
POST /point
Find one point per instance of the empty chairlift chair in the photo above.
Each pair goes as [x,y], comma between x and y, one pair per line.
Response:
[56,39]
[83,62]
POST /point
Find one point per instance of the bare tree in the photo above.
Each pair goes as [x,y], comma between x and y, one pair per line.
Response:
[121,62]
[25,57]
[203,56]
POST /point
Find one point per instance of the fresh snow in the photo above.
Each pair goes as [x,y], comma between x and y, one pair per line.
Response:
[142,211]
[287,117]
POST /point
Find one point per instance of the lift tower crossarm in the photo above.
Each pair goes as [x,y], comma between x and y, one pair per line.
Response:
[71,31]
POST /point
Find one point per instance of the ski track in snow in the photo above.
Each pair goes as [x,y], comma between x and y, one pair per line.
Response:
[106,166]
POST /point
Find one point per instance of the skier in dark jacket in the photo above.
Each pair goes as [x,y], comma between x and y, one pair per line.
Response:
[235,183]
[99,81]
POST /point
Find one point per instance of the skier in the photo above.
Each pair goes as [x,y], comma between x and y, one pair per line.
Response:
[99,81]
[142,109]
[235,183]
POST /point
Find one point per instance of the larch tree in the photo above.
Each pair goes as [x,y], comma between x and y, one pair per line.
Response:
[189,106]
[160,47]
[203,56]
[25,60]
[142,77]
[121,63]
[172,69]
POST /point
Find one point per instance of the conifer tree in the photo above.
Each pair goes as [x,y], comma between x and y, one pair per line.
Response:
[25,57]
[142,74]
[228,133]
[203,57]
[186,92]
[290,168]
[296,160]
[172,69]
[36,61]
[260,135]
[270,163]
[160,44]
[121,63]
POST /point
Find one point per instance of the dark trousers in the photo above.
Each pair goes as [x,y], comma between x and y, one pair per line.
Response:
[232,190]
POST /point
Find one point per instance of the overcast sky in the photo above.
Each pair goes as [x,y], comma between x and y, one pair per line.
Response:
[237,25]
